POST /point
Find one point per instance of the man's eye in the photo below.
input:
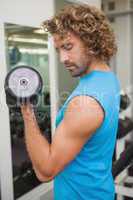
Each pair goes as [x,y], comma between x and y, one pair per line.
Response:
[68,46]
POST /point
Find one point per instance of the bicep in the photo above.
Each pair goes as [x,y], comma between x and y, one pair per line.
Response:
[79,123]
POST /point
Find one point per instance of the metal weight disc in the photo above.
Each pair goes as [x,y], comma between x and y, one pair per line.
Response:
[24,82]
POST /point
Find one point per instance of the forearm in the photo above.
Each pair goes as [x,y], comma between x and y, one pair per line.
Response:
[37,146]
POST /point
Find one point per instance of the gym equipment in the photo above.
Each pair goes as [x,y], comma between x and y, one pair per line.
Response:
[24,179]
[22,84]
[124,102]
[14,55]
[124,161]
[46,98]
[124,127]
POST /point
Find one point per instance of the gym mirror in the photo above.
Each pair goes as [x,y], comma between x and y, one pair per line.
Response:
[28,46]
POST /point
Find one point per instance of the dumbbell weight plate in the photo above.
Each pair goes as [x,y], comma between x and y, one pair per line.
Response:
[23,81]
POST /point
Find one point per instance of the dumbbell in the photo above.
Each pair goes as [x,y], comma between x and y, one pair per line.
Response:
[23,84]
[124,102]
[126,158]
[124,127]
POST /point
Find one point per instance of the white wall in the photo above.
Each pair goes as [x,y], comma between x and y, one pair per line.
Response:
[91,2]
[124,49]
[30,12]
[27,13]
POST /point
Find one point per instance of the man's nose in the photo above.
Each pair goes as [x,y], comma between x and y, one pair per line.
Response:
[63,57]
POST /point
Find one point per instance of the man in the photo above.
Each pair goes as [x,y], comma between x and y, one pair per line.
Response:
[80,156]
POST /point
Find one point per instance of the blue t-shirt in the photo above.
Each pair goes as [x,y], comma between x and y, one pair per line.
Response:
[88,176]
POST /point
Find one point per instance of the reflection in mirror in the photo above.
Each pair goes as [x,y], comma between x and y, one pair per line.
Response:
[27,46]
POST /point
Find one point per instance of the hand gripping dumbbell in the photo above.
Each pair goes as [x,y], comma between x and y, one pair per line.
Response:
[23,84]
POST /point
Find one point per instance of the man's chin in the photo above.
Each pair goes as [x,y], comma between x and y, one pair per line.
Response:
[74,75]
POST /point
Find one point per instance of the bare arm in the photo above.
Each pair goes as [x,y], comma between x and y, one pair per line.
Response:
[83,116]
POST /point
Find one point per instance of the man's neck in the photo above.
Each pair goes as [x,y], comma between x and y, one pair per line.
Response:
[97,65]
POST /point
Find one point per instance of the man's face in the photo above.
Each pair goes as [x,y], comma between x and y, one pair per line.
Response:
[72,53]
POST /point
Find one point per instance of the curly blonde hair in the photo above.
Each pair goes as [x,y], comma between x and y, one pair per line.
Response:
[90,24]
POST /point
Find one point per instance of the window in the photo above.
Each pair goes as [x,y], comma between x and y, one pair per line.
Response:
[111,6]
[131,4]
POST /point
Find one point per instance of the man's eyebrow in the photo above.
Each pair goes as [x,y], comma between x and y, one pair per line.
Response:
[62,45]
